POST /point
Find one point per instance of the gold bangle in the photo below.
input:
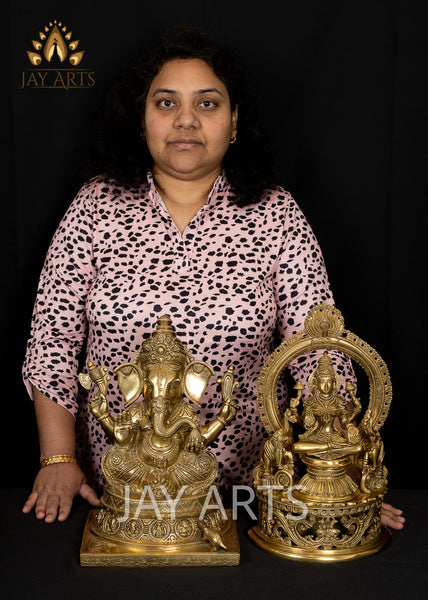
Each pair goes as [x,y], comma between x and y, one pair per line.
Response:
[222,421]
[57,458]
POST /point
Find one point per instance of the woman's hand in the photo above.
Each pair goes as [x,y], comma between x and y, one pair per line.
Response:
[57,484]
[391,517]
[54,490]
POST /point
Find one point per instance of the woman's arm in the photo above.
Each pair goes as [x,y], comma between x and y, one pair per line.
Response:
[57,484]
[58,332]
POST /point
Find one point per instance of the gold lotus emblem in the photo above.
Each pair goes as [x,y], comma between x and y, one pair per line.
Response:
[55,43]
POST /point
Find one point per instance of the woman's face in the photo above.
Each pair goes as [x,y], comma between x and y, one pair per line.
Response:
[188,121]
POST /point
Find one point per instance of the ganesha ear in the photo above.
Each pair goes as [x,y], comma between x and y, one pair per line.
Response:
[195,380]
[130,380]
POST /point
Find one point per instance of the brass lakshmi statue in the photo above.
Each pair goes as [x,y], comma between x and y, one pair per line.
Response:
[155,508]
[325,514]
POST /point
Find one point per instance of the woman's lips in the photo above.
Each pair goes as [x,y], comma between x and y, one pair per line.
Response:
[184,143]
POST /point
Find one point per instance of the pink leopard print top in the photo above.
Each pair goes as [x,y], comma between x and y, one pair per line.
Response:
[235,279]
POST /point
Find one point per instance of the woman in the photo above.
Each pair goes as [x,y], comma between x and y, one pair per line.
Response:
[186,220]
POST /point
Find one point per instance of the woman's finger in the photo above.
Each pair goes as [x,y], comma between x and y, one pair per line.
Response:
[391,518]
[40,508]
[30,502]
[65,504]
[89,495]
[52,505]
[392,509]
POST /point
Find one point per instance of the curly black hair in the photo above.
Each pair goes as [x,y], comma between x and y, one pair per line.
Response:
[249,164]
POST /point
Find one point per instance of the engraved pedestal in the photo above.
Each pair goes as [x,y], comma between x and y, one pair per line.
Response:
[96,551]
[325,533]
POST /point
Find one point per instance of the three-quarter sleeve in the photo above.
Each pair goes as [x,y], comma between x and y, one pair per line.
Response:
[301,282]
[59,326]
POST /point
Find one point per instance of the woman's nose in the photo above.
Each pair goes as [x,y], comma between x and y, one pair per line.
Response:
[186,117]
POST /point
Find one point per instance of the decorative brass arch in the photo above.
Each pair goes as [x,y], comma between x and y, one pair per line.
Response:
[324,330]
[339,515]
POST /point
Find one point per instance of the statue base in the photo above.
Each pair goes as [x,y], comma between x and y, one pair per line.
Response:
[308,555]
[97,551]
[322,531]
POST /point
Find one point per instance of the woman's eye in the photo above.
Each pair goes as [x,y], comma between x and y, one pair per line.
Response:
[166,103]
[207,104]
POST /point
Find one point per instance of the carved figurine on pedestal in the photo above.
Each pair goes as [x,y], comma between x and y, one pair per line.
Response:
[325,515]
[277,462]
[374,473]
[158,472]
[322,438]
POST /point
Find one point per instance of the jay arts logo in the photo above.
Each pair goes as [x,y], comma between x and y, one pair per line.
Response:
[55,60]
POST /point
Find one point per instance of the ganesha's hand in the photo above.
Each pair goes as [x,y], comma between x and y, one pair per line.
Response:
[123,428]
[98,405]
[195,442]
[228,411]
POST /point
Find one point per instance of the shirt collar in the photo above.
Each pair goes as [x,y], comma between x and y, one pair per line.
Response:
[219,191]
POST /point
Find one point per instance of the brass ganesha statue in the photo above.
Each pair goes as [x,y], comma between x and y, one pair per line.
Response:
[155,507]
[331,512]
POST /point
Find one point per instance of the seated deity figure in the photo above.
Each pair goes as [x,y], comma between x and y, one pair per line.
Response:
[323,411]
[158,440]
[321,478]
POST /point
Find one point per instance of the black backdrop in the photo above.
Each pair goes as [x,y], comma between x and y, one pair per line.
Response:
[343,93]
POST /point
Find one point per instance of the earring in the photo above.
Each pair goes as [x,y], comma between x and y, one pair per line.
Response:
[233,140]
[142,136]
